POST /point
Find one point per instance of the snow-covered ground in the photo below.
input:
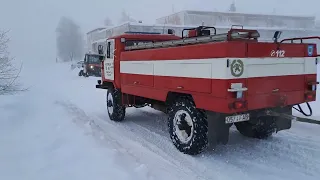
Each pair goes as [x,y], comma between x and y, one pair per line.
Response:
[60,129]
[314,105]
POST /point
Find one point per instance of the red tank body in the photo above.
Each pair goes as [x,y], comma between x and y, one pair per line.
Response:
[210,93]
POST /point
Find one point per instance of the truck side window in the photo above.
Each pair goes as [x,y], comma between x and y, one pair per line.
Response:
[108,50]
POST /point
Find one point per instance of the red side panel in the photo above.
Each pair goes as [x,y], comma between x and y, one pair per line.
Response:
[268,85]
[147,92]
[137,80]
[183,84]
[275,91]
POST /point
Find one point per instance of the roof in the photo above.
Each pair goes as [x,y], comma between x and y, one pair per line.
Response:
[242,13]
[96,29]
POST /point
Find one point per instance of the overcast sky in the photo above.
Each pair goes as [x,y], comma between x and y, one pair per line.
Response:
[33,22]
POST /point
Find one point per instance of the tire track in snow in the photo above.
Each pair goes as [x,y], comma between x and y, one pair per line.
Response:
[163,146]
[122,139]
[286,153]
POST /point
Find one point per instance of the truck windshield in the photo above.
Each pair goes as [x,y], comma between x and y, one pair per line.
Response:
[94,59]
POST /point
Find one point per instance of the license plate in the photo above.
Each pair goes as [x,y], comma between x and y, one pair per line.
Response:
[237,118]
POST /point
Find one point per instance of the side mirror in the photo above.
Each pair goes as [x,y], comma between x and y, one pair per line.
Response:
[276,36]
[100,49]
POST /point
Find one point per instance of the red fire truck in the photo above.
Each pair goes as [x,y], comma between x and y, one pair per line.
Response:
[207,82]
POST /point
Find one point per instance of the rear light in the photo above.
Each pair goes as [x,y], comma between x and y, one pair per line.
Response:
[238,105]
[310,96]
[238,89]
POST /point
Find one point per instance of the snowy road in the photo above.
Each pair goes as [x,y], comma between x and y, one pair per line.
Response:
[60,129]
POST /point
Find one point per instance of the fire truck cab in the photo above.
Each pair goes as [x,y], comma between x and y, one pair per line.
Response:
[207,82]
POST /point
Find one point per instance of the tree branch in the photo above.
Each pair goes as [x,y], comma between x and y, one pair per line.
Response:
[8,73]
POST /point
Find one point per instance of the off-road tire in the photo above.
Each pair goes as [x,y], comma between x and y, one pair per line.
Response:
[86,74]
[119,111]
[80,73]
[263,128]
[199,139]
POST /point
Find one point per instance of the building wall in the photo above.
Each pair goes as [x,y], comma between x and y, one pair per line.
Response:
[265,24]
[96,38]
[176,19]
[231,18]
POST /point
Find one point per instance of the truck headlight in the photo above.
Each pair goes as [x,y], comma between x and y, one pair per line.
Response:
[91,67]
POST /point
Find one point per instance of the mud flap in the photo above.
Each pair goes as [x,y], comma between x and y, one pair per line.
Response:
[283,117]
[218,130]
[283,123]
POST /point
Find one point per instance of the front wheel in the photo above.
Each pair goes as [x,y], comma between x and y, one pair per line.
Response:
[86,74]
[80,73]
[188,126]
[116,110]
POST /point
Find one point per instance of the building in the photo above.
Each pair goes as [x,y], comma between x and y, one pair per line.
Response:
[98,36]
[94,35]
[266,24]
[231,18]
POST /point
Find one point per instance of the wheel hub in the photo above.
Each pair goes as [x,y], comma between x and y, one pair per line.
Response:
[110,103]
[183,126]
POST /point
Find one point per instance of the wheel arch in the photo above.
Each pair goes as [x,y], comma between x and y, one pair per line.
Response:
[106,85]
[171,96]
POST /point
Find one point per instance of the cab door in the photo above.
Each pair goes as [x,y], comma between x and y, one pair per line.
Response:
[109,60]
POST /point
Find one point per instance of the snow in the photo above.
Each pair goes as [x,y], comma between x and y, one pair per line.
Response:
[59,129]
[314,105]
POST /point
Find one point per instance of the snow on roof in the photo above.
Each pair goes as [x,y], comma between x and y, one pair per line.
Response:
[96,29]
[250,14]
[218,27]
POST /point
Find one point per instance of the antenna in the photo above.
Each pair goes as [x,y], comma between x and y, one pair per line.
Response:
[164,24]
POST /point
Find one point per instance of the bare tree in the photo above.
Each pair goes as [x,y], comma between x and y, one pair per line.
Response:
[232,7]
[70,41]
[8,72]
[126,18]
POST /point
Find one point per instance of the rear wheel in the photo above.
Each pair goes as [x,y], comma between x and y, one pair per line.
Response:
[263,128]
[188,126]
[116,110]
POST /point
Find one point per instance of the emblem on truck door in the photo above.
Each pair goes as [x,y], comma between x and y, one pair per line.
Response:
[237,68]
